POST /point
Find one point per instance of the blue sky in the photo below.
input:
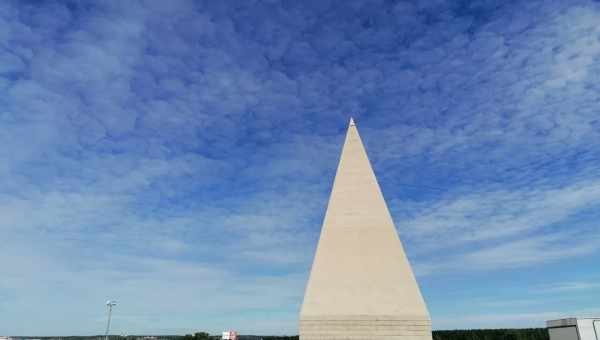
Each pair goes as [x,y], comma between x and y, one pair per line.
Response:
[177,156]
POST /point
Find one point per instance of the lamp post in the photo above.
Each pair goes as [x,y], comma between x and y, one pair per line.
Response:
[109,304]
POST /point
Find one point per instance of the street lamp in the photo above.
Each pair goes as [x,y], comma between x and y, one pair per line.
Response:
[109,304]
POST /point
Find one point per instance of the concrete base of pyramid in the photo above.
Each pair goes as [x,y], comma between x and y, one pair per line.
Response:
[364,327]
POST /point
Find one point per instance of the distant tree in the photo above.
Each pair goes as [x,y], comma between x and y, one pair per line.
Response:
[197,336]
[201,336]
[492,334]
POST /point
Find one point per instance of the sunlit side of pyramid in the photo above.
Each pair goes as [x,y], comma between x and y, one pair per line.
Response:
[361,285]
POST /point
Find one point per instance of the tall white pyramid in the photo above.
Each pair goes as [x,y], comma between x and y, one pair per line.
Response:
[361,285]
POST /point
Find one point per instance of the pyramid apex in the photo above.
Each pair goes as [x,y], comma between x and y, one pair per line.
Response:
[352,122]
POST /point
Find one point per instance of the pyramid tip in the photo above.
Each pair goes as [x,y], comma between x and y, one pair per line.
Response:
[352,122]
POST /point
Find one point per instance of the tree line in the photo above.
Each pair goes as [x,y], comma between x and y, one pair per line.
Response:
[466,334]
[493,334]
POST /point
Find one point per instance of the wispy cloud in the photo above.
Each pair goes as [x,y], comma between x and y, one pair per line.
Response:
[506,229]
[574,286]
[496,214]
[519,253]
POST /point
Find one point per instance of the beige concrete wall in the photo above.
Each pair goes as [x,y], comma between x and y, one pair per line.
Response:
[364,327]
[361,284]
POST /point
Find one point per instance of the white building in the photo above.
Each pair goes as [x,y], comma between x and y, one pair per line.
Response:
[229,335]
[574,329]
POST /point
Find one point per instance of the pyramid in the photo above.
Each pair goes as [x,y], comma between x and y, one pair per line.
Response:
[361,285]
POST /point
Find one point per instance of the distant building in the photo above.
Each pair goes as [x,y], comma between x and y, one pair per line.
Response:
[574,329]
[229,335]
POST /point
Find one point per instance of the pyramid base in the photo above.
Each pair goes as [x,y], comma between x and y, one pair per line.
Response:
[364,327]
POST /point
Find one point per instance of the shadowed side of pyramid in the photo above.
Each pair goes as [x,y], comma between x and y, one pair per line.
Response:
[361,285]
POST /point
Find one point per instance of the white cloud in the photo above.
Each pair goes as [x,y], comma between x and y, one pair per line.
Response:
[573,286]
[495,214]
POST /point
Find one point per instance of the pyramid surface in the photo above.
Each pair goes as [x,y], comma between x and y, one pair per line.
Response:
[361,285]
